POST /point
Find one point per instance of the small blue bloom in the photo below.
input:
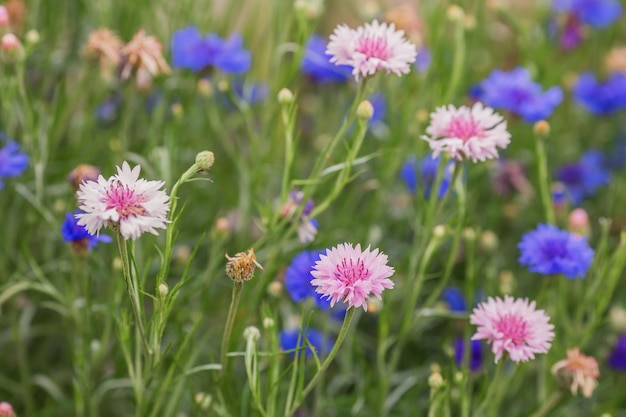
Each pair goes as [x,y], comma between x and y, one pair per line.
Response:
[423,173]
[289,341]
[617,360]
[549,250]
[298,278]
[74,233]
[108,111]
[423,60]
[615,160]
[455,300]
[12,161]
[603,98]
[195,52]
[316,63]
[379,103]
[596,13]
[475,357]
[516,92]
[584,177]
[250,93]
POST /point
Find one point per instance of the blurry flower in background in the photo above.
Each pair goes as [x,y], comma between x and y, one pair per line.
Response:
[109,110]
[11,49]
[191,50]
[512,326]
[423,60]
[82,241]
[349,274]
[601,98]
[578,222]
[475,355]
[6,410]
[509,178]
[548,250]
[295,339]
[124,202]
[307,228]
[577,371]
[82,173]
[615,60]
[12,161]
[584,177]
[617,360]
[596,13]
[250,93]
[371,48]
[17,14]
[514,91]
[423,173]
[317,66]
[4,17]
[104,47]
[615,159]
[475,133]
[143,58]
[404,17]
[455,300]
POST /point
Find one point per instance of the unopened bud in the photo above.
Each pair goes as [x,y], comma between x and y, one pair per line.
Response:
[205,160]
[4,17]
[275,289]
[6,410]
[222,86]
[439,231]
[251,333]
[241,267]
[268,323]
[365,110]
[455,13]
[205,87]
[488,241]
[507,282]
[578,222]
[12,49]
[374,305]
[32,37]
[82,173]
[285,96]
[117,263]
[435,380]
[163,290]
[177,110]
[469,234]
[617,319]
[310,9]
[203,400]
[542,128]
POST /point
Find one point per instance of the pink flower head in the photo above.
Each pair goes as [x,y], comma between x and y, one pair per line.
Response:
[4,17]
[6,410]
[371,48]
[465,132]
[10,42]
[514,326]
[578,371]
[350,275]
[125,202]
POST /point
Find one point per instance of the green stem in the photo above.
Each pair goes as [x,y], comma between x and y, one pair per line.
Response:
[544,178]
[458,62]
[493,388]
[549,405]
[320,372]
[230,321]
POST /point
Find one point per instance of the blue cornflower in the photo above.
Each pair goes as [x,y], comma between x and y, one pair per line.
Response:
[250,93]
[615,160]
[516,92]
[549,250]
[584,177]
[476,353]
[12,162]
[423,172]
[78,236]
[617,360]
[455,300]
[423,60]
[193,51]
[298,278]
[109,110]
[316,63]
[379,103]
[596,13]
[603,98]
[289,341]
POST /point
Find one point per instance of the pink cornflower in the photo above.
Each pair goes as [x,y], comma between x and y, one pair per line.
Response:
[465,132]
[126,203]
[371,48]
[513,326]
[578,371]
[350,275]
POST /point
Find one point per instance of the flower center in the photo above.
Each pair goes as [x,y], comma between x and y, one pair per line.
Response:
[373,47]
[513,328]
[571,174]
[349,272]
[464,128]
[125,201]
[555,249]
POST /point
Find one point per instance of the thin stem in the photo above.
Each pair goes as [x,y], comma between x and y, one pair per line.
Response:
[544,178]
[549,405]
[230,321]
[320,372]
[491,391]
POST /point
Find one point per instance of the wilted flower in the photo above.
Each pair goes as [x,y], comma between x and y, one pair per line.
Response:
[549,250]
[316,63]
[516,92]
[241,267]
[578,371]
[371,48]
[143,57]
[130,205]
[105,47]
[82,173]
[12,161]
[602,98]
[82,241]
[474,133]
[346,273]
[584,177]
[509,178]
[513,326]
[296,339]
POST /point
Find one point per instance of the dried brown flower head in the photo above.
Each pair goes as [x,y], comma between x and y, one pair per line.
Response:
[405,17]
[143,57]
[241,267]
[578,371]
[81,173]
[615,60]
[104,47]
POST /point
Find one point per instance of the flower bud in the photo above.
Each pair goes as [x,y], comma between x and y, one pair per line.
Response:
[241,267]
[251,333]
[365,110]
[542,128]
[507,282]
[310,9]
[205,160]
[163,290]
[488,241]
[275,289]
[205,87]
[469,234]
[268,323]
[6,410]
[578,222]
[439,231]
[12,50]
[455,13]
[285,96]
[82,173]
[435,380]
[32,37]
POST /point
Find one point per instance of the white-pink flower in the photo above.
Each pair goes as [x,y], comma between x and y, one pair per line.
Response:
[513,326]
[128,204]
[465,132]
[351,275]
[371,48]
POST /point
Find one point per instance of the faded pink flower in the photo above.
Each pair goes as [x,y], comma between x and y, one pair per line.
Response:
[124,202]
[371,48]
[4,17]
[578,371]
[348,274]
[6,410]
[143,56]
[465,132]
[513,326]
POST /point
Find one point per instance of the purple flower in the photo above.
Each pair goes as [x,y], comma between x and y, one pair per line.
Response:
[109,110]
[79,236]
[516,92]
[475,356]
[455,300]
[549,250]
[584,177]
[617,360]
[316,63]
[294,339]
[596,13]
[12,162]
[423,172]
[193,51]
[298,278]
[423,60]
[250,93]
[379,103]
[603,98]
